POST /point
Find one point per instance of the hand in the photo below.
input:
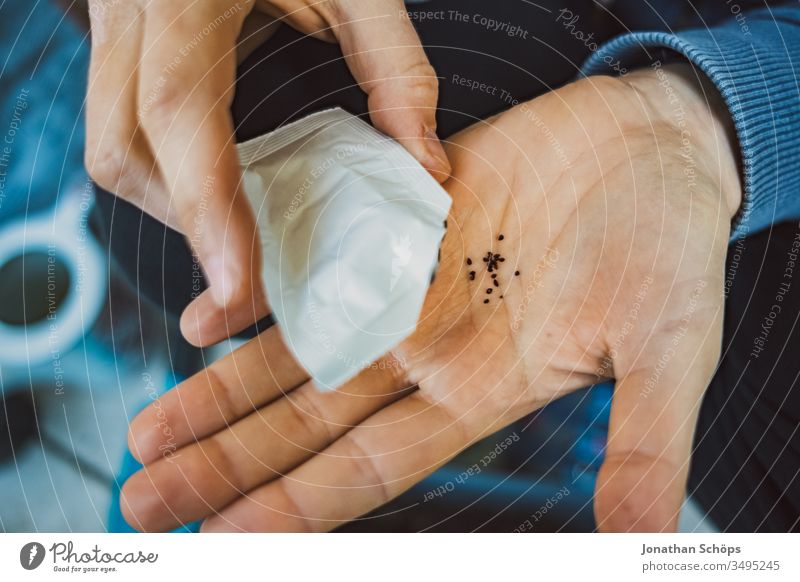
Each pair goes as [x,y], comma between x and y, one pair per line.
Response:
[615,212]
[160,134]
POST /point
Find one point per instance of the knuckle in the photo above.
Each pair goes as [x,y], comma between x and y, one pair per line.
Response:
[425,71]
[310,416]
[217,454]
[105,164]
[420,71]
[418,80]
[367,469]
[222,395]
[294,508]
[160,104]
[426,79]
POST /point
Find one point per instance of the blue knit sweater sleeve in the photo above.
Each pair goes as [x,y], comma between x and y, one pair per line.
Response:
[754,61]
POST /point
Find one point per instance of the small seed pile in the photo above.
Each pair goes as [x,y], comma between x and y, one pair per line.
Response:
[493,263]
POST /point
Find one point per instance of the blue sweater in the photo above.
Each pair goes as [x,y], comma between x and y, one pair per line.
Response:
[753,58]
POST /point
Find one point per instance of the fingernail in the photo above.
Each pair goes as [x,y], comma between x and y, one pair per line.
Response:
[437,157]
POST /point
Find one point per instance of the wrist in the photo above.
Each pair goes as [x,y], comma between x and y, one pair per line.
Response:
[690,104]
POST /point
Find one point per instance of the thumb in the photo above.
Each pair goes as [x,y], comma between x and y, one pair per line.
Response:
[641,485]
[384,54]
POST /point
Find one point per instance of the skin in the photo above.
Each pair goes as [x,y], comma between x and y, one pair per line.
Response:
[160,134]
[621,261]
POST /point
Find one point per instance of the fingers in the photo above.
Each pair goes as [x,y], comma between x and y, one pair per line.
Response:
[368,466]
[385,56]
[185,80]
[209,401]
[641,484]
[117,156]
[204,322]
[207,476]
[187,76]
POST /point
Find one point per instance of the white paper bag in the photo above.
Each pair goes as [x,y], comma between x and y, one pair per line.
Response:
[351,226]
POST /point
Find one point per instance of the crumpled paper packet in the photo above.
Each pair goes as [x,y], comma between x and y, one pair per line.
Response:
[350,225]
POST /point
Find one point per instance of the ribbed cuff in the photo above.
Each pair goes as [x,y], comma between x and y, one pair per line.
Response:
[757,72]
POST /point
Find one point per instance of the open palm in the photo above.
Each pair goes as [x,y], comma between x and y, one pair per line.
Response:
[608,260]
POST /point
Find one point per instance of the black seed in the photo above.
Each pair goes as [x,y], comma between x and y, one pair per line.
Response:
[516,273]
[472,275]
[469,261]
[501,259]
[489,291]
[494,276]
[486,301]
[501,297]
[496,284]
[501,237]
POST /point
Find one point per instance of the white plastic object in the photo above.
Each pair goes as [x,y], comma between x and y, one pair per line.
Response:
[350,226]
